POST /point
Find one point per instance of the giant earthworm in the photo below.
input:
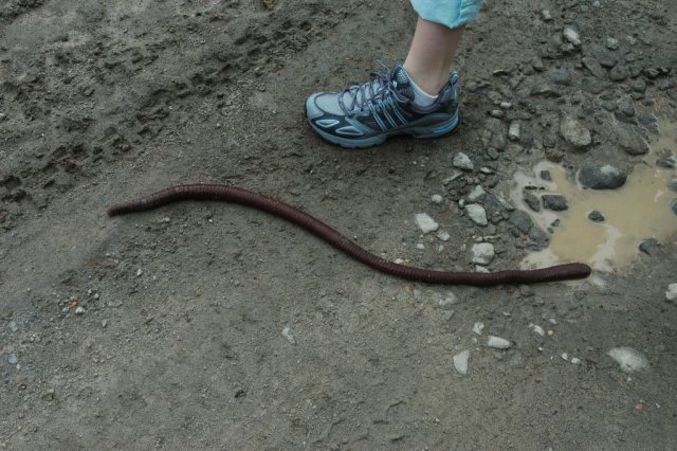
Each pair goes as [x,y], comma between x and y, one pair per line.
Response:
[217,192]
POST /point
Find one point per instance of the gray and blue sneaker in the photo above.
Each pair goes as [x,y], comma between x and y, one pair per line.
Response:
[368,114]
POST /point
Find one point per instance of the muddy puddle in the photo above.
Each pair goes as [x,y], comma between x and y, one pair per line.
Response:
[639,210]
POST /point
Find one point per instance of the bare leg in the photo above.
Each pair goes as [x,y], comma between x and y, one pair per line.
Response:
[431,54]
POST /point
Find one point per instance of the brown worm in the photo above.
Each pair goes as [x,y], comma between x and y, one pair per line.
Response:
[205,191]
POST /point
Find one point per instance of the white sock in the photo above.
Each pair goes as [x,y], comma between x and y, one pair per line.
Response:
[421,98]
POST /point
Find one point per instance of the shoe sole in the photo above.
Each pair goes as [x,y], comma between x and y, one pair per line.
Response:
[426,132]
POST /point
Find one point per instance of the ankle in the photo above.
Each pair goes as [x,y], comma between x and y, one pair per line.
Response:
[429,80]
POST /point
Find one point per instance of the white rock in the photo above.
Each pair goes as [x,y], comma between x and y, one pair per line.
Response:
[444,236]
[572,36]
[498,342]
[482,253]
[80,310]
[477,213]
[287,334]
[426,223]
[12,359]
[476,194]
[629,359]
[139,272]
[461,362]
[447,301]
[537,329]
[13,327]
[565,356]
[462,161]
[576,361]
[436,199]
[514,131]
[612,43]
[420,246]
[477,328]
[671,294]
[479,268]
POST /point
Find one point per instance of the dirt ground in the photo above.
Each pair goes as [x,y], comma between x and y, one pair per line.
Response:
[216,326]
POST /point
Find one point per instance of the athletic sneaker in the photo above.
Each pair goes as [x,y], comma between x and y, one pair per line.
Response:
[368,114]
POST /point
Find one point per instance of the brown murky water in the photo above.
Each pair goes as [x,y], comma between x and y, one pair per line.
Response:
[639,210]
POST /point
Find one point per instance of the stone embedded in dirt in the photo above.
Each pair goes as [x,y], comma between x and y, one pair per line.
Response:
[667,162]
[555,202]
[514,131]
[447,301]
[461,362]
[546,15]
[649,246]
[604,57]
[561,76]
[538,330]
[436,199]
[595,216]
[531,200]
[498,342]
[12,359]
[631,141]
[602,177]
[462,161]
[80,310]
[594,67]
[477,328]
[626,108]
[483,253]
[521,220]
[572,36]
[612,43]
[574,132]
[671,294]
[618,73]
[288,335]
[444,236]
[629,359]
[477,213]
[426,223]
[476,194]
[13,327]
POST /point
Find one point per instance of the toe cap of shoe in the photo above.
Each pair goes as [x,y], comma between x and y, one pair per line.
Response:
[313,111]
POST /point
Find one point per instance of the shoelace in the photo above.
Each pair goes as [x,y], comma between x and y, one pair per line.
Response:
[379,98]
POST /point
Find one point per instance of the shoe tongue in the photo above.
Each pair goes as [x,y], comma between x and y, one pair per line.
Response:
[402,82]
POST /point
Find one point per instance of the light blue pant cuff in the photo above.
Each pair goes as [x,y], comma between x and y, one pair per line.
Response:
[450,13]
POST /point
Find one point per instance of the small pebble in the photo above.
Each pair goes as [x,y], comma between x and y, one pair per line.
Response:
[444,236]
[514,131]
[436,199]
[595,216]
[611,43]
[671,294]
[287,334]
[629,359]
[476,194]
[13,327]
[420,246]
[483,253]
[80,310]
[461,362]
[426,223]
[12,359]
[462,161]
[446,302]
[572,36]
[477,214]
[576,361]
[498,342]
[537,329]
[477,328]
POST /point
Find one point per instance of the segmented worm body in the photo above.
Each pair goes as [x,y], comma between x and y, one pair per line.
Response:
[217,192]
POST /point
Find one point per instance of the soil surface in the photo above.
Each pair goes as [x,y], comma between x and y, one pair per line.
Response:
[203,325]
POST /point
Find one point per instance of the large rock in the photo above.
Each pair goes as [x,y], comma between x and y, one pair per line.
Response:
[602,177]
[574,132]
